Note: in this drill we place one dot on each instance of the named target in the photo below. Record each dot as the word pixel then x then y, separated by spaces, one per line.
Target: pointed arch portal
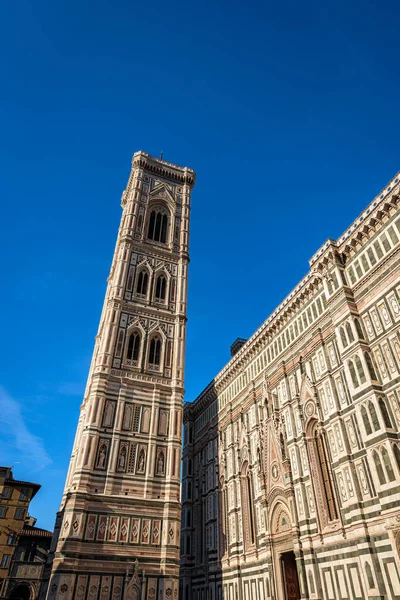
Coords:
pixel 287 579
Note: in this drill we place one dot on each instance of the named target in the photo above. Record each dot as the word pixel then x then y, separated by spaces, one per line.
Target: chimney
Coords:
pixel 237 344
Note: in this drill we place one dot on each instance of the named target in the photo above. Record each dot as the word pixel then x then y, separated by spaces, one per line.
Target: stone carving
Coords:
pixel 133 585
pixel 161 463
pixel 101 456
pixel 141 461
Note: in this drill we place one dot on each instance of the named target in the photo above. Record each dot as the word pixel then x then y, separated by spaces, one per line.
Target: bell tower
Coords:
pixel 118 529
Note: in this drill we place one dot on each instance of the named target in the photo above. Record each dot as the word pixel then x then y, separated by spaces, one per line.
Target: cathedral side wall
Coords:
pixel 294 449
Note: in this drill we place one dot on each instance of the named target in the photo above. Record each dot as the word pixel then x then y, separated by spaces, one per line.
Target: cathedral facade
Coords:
pixel 291 456
pixel 118 530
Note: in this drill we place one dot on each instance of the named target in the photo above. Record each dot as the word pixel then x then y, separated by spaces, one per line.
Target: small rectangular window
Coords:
pixel 393 235
pixel 305 322
pixel 358 268
pixel 314 309
pixel 19 513
pixel 11 539
pixel 24 494
pixel 385 242
pixel 309 315
pixel 378 249
pixel 5 561
pixel 371 256
pixel 319 306
pixel 3 511
pixel 352 276
pixel 365 263
pixel 7 492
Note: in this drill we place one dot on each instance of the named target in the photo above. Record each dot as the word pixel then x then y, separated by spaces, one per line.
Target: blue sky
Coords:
pixel 288 112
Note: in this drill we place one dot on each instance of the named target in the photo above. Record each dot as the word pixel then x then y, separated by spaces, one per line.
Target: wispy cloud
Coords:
pixel 13 426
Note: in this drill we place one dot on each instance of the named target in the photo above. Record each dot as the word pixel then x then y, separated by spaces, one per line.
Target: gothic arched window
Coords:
pixel 396 452
pixel 353 374
pixel 387 464
pixel 325 475
pixel 385 413
pixel 370 366
pixel 133 347
pixel 360 369
pixel 142 283
pixel 155 352
pixel 311 581
pixel 359 330
pixel 250 506
pixel 120 340
pixel 343 337
pixel 158 227
pixel 161 288
pixel 365 418
pixel 283 448
pixel 349 332
pixel 374 416
pixel 368 573
pixel 378 467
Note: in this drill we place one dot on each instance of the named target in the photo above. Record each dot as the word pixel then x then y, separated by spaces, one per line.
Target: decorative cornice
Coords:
pixel 370 213
pixel 163 168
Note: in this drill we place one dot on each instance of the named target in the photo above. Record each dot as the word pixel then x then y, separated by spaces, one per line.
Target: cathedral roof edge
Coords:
pixel 311 276
pixel 366 213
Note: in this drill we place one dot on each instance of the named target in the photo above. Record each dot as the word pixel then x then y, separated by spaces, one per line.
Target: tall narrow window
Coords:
pixel 385 413
pixel 349 332
pixel 161 286
pixel 365 418
pixel 353 374
pixel 396 452
pixel 133 347
pixel 360 369
pixel 370 366
pixel 343 337
pixel 374 416
pixel 224 520
pixel 152 222
pixel 327 486
pixel 378 467
pixel 359 329
pixel 387 464
pixel 155 352
pixel 370 579
pixel 120 339
pixel 250 507
pixel 142 283
pixel 158 227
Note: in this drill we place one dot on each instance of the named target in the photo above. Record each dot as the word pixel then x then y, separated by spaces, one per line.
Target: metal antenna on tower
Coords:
pixel 161 155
